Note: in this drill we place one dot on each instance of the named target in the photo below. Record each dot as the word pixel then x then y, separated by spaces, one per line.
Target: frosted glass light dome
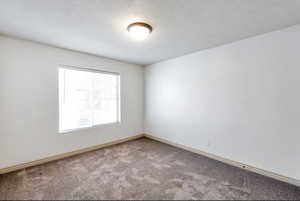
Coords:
pixel 139 30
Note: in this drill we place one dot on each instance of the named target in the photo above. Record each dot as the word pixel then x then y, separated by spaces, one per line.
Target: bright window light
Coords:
pixel 87 98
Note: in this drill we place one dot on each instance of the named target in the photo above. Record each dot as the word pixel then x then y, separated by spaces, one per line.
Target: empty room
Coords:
pixel 149 100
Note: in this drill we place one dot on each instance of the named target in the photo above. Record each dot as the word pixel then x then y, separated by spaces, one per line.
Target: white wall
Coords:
pixel 240 101
pixel 29 102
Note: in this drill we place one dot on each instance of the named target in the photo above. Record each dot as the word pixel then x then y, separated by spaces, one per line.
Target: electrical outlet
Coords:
pixel 208 143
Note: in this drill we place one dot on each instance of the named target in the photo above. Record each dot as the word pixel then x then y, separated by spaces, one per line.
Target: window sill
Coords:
pixel 88 128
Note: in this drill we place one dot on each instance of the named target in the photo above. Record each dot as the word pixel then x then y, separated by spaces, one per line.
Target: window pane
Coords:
pixel 105 98
pixel 87 98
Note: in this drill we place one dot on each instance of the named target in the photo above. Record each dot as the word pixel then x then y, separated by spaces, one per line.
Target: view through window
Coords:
pixel 87 98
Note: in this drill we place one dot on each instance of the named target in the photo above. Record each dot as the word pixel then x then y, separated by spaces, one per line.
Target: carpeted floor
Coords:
pixel 141 169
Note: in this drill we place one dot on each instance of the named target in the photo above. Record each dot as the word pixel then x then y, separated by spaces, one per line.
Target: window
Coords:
pixel 87 98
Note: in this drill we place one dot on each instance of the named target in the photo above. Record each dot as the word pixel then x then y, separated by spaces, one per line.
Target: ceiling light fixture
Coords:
pixel 139 30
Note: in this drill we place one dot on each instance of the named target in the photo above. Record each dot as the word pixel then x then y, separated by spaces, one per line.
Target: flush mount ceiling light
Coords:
pixel 139 30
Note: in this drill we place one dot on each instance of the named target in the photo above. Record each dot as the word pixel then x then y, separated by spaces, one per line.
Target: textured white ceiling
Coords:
pixel 180 26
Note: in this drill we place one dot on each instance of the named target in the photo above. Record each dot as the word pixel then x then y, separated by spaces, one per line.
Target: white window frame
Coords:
pixel 68 67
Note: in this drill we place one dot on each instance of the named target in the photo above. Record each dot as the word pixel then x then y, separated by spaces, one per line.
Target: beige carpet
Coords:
pixel 141 169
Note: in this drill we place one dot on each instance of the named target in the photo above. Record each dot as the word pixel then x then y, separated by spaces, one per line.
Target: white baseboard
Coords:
pixel 65 155
pixel 212 156
pixel 230 162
